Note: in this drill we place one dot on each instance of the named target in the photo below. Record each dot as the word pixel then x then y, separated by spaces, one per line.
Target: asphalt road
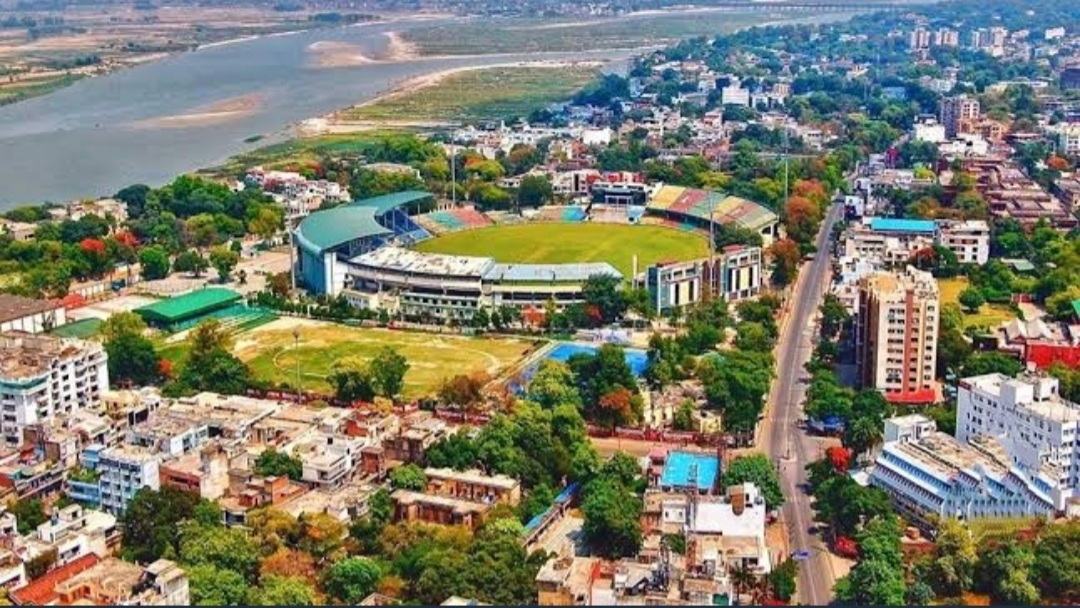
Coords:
pixel 783 440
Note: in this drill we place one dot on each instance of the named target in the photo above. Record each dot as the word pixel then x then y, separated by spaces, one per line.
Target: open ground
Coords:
pixel 271 352
pixel 556 243
pixel 989 315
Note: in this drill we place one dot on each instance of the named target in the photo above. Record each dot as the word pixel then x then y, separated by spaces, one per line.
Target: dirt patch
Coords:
pixel 215 113
pixel 328 54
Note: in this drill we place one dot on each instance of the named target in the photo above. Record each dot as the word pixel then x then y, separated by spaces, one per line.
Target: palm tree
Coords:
pixel 861 435
pixel 742 577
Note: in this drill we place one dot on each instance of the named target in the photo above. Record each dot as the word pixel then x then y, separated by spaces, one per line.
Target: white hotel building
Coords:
pixel 1038 428
pixel 929 474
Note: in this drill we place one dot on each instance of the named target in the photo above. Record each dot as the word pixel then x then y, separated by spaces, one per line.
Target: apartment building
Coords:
pixel 969 240
pixel 734 274
pixel 42 377
pixel 329 460
pixel 1037 427
pixel 894 241
pixel 124 471
pixel 929 474
pixel 473 486
pixel 953 110
pixel 91 580
pixel 896 334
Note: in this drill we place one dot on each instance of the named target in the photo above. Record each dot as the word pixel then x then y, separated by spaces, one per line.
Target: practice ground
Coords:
pixel 555 243
pixel 989 315
pixel 270 352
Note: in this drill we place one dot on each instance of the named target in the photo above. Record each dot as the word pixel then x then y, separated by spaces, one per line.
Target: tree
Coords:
pixel 154 261
pixel 759 470
pixel 535 190
pixel 132 357
pixel 1004 572
pixel 149 522
pixel 265 221
pixel 224 260
pixel 281 591
pixel 615 408
pixel 1056 570
pixel 29 514
pixel 833 315
pixel 553 384
pixel 352 580
pixel 786 256
pixel 387 371
pixel 612 519
pixel 210 366
pixel 408 477
pixel 599 374
pixel 352 380
pixel 754 337
pixel 273 530
pixel 878 578
pixel 980 364
pixel 464 390
pixel 782 580
pixel 289 563
pixel 223 548
pixel 213 586
pixel 953 570
pixel 604 293
pixel 322 536
pixel 971 299
pixel 683 420
pixel 272 463
pixel 191 261
pixel 861 434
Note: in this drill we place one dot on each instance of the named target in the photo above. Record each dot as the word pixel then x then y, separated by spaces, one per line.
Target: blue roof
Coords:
pixel 888 224
pixel 678 467
pixel 331 228
pixel 388 202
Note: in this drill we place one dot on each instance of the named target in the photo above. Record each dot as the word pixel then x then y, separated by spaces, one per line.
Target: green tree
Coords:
pixel 223 548
pixel 971 299
pixel 388 370
pixel 1056 570
pixel 352 380
pixel 612 519
pixel 281 591
pixel 224 260
pixel 953 570
pixel 272 463
pixel 683 420
pixel 759 470
pixel 980 364
pixel 210 364
pixel 154 261
pixel 781 580
pixel 600 374
pixel 191 261
pixel 753 337
pixel 352 580
pixel 132 356
pixel 553 384
pixel 535 190
pixel 29 514
pixel 150 523
pixel 878 577
pixel 1003 571
pixel 213 586
pixel 604 293
pixel 408 477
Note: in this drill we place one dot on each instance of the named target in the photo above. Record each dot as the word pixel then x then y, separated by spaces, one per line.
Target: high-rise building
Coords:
pixel 918 39
pixel 42 377
pixel 1037 427
pixel 124 470
pixel 957 109
pixel 896 334
pixel 734 274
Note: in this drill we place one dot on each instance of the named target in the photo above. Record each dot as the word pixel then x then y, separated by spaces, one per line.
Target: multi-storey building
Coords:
pixel 734 274
pixel 956 109
pixel 969 240
pixel 124 471
pixel 896 334
pixel 474 486
pixel 931 475
pixel 42 377
pixel 1037 427
pixel 894 241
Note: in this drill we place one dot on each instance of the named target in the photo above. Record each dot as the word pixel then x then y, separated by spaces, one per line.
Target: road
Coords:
pixel 787 444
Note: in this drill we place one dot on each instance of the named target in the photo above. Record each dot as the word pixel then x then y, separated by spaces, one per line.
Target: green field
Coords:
pixel 487 94
pixel 988 317
pixel 271 353
pixel 554 243
pixel 301 152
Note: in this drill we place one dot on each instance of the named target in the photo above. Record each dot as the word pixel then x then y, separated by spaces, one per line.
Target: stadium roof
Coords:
pixel 188 305
pixel 888 224
pixel 324 230
pixel 387 202
pixel 698 204
pixel 399 259
pixel 542 273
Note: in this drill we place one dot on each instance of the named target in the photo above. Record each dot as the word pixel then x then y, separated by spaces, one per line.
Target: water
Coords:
pixel 92 138
pixel 637 360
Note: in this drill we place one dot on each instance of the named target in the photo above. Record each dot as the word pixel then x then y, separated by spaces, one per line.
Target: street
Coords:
pixel 783 441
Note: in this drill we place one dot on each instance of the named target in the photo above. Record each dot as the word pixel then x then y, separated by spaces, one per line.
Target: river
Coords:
pixel 104 133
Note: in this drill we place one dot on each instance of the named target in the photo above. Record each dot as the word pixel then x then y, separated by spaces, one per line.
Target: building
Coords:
pixel 95 581
pixel 933 132
pixel 124 471
pixel 734 274
pixel 953 110
pixel 1036 426
pixel 734 95
pixel 1070 78
pixel 1068 139
pixel 969 240
pixel 42 377
pixel 473 486
pixel 896 334
pixel 416 506
pixel 30 315
pixel 680 207
pixel 929 474
pixel 329 460
pixel 181 312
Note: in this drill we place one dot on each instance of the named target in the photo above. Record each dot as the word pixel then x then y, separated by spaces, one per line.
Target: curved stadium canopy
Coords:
pixel 326 230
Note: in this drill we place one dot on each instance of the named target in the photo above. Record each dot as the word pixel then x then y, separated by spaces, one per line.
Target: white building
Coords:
pixel 30 315
pixel 42 377
pixel 1068 139
pixel 730 532
pixel 933 132
pixel 1037 427
pixel 969 240
pixel 734 95
pixel 124 471
pixel 929 474
pixel 73 532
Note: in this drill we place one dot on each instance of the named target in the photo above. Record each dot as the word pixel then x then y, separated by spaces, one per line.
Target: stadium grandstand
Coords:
pixel 183 312
pixel 325 239
pixel 692 207
pixel 439 286
pixel 453 220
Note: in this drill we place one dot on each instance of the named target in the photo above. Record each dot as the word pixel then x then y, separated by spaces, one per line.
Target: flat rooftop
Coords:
pixel 473 477
pixel 541 273
pixel 403 260
pixel 689 469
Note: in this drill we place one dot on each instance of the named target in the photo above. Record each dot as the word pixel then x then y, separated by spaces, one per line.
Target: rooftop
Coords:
pixel 885 224
pixel 686 469
pixel 17 307
pixel 542 273
pixel 325 230
pixel 42 592
pixel 189 305
pixel 473 477
pixel 458 506
pixel 26 355
pixel 389 202
pixel 433 264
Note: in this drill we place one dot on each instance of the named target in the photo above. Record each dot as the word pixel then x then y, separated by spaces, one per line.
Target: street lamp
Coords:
pixel 296 349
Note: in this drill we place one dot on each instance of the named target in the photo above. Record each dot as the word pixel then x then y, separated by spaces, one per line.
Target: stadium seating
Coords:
pixel 453 220
pixel 404 227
